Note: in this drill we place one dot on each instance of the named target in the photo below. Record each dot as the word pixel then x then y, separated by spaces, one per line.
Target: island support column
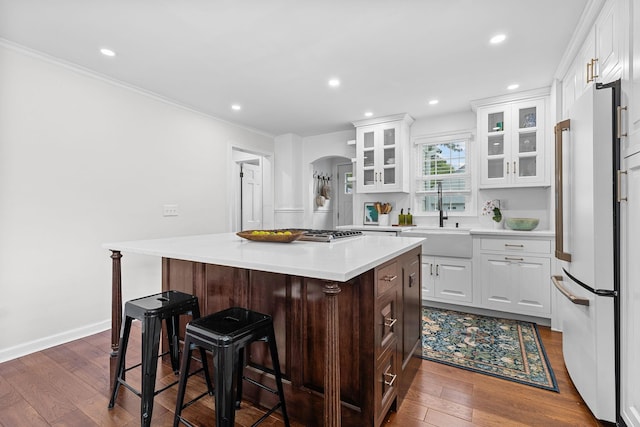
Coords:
pixel 332 357
pixel 116 301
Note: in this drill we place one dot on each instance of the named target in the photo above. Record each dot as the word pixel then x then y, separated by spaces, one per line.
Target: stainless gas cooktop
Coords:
pixel 328 235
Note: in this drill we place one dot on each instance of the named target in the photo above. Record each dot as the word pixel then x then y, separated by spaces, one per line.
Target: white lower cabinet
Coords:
pixel 515 274
pixel 518 284
pixel 447 279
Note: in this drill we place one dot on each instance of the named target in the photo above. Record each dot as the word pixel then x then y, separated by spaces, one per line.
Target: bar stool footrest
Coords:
pixel 265 416
pixel 262 386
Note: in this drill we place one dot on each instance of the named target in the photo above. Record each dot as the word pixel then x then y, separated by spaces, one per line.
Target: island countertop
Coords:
pixel 340 261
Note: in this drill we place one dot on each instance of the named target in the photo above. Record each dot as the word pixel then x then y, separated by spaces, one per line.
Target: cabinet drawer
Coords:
pixel 387 312
pixel 386 386
pixel 387 277
pixel 516 245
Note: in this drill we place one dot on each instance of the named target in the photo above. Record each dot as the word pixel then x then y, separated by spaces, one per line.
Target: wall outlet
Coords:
pixel 170 210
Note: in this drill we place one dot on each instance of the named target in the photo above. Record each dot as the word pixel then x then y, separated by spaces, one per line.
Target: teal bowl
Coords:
pixel 522 224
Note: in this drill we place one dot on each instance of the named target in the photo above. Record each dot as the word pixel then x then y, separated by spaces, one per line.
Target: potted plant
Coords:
pixel 492 207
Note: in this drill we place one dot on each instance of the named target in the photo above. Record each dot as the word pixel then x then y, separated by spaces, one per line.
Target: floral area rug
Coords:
pixel 503 348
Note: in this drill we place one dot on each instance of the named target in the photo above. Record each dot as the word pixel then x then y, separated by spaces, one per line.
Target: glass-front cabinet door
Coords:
pixel 526 152
pixel 378 158
pixel 494 128
pixel 511 137
pixel 389 145
pixel 368 160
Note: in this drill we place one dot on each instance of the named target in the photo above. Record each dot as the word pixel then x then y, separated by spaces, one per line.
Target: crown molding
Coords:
pixel 515 96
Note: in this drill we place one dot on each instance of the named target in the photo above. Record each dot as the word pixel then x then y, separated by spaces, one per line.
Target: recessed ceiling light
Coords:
pixel 107 52
pixel 433 102
pixel 334 82
pixel 498 38
pixel 513 86
pixel 368 114
pixel 236 107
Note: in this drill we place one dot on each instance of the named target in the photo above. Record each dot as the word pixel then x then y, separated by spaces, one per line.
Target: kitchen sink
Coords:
pixel 452 242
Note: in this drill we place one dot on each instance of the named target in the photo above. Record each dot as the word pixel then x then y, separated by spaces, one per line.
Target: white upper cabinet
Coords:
pixel 382 154
pixel 513 144
pixel 600 59
pixel 608 43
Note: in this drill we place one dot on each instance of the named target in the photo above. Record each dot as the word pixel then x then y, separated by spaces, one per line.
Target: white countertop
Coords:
pixel 339 261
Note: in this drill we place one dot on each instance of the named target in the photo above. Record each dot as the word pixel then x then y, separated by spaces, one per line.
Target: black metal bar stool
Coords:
pixel 151 310
pixel 226 334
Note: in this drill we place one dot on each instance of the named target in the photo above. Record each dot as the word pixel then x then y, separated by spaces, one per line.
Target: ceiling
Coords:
pixel 275 57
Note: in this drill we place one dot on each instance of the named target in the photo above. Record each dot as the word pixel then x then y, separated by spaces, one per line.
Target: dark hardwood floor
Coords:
pixel 68 385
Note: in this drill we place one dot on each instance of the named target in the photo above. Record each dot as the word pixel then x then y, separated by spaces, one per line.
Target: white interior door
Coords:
pixel 251 209
pixel 344 194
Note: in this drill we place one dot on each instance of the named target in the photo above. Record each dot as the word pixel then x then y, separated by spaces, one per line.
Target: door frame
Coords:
pixel 237 156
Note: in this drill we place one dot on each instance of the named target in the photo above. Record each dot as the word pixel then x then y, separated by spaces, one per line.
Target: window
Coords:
pixel 348 183
pixel 443 160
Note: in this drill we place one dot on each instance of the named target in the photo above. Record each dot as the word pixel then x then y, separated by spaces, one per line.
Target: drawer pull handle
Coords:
pixel 389 322
pixel 513 259
pixel 512 245
pixel 393 379
pixel 389 278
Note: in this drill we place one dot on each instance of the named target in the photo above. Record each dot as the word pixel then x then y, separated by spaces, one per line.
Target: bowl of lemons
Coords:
pixel 279 236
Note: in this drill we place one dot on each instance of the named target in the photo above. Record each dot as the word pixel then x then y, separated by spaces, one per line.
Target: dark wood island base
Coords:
pixel 372 322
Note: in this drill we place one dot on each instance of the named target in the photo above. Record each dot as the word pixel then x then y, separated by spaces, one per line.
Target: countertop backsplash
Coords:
pixel 514 203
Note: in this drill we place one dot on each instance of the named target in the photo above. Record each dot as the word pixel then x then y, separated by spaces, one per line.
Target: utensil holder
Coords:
pixel 383 219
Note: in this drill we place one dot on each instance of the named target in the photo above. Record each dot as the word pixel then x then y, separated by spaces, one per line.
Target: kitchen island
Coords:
pixel 346 314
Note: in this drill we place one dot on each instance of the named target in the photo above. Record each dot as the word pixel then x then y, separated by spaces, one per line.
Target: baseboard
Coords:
pixel 52 341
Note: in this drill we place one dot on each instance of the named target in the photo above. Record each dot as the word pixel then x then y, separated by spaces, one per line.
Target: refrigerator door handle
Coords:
pixel 560 253
pixel 557 281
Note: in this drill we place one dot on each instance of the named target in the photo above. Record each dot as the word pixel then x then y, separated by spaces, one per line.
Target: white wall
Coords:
pixel 289 210
pixel 85 161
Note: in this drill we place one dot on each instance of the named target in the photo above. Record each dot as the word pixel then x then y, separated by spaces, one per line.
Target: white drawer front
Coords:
pixel 516 245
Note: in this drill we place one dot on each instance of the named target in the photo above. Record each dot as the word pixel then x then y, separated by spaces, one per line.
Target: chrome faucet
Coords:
pixel 443 216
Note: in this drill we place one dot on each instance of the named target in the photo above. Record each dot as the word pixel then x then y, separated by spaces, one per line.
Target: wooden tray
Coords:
pixel 279 238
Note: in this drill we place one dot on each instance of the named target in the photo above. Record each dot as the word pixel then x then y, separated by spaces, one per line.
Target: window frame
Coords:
pixel 465 136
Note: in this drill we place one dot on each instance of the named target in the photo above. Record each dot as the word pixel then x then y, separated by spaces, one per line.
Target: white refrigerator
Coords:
pixel 588 245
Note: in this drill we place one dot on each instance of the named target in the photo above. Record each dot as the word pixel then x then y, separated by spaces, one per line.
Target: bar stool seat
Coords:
pixel 151 310
pixel 226 334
